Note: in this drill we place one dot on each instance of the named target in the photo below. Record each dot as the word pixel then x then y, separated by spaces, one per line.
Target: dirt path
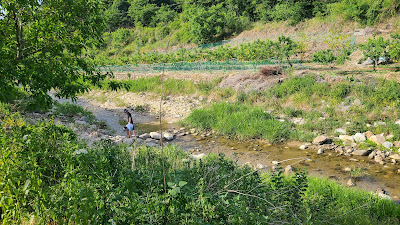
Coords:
pixel 109 113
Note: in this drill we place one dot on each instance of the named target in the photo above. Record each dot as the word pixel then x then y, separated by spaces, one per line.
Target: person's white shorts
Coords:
pixel 129 126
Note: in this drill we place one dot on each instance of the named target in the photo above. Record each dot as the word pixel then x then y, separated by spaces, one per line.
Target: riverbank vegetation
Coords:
pixel 49 176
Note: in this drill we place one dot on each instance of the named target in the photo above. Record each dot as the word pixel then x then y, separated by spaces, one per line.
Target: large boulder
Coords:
pixel 144 136
pixel 378 139
pixel 361 152
pixel 340 131
pixel 322 139
pixel 346 138
pixel 395 156
pixel 155 135
pixel 168 136
pixel 368 134
pixel 359 137
pixel 387 144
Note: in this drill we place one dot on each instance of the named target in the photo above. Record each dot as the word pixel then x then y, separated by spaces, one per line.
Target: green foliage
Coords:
pixel 374 48
pixel 241 121
pixel 153 84
pixel 42 47
pixel 47 174
pixel 325 57
pixel 366 12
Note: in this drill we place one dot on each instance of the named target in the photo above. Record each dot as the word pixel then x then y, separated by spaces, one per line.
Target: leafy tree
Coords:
pixel 325 57
pixel 286 48
pixel 42 45
pixel 374 48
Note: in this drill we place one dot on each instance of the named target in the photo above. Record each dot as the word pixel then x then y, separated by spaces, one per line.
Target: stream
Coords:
pixel 369 175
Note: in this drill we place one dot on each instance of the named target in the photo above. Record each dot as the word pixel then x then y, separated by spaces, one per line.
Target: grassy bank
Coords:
pixel 323 103
pixel 48 176
pixel 171 86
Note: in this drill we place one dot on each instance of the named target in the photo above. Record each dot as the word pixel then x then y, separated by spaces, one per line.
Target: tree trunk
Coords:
pixel 18 34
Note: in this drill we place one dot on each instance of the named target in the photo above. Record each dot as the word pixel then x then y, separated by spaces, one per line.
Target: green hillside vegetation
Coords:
pixel 137 26
pixel 48 176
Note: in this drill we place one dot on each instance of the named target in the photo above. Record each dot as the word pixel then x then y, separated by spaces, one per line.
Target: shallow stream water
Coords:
pixel 369 175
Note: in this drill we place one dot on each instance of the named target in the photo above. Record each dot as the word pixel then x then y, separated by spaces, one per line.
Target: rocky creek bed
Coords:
pixel 373 170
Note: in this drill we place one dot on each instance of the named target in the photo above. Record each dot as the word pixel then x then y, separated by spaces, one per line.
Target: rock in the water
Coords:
pixel 387 144
pixel 322 139
pixel 378 139
pixel 341 131
pixel 199 156
pixel 361 152
pixel 350 183
pixel 168 136
pixel 288 170
pixel 359 137
pixel 155 135
pixel 320 151
pixel 372 155
pixel 303 147
pixel 395 156
pixel 144 136
pixel 346 138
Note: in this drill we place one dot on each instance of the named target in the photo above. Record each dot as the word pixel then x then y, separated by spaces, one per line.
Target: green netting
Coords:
pixel 200 66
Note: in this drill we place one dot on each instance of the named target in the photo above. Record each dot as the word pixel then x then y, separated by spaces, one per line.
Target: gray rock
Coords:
pixel 288 170
pixel 151 144
pixel 379 123
pixel 340 131
pixel 320 151
pixel 144 136
pixel 395 156
pixel 397 122
pixel 346 138
pixel 322 139
pixel 86 119
pixel 359 137
pixel 199 156
pixel 128 141
pixel 260 166
pixel 168 136
pixel 387 144
pixel 155 135
pixel 382 193
pixel 80 122
pixel 361 152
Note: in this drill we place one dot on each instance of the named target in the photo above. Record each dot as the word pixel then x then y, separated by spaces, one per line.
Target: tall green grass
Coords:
pixel 153 84
pixel 242 121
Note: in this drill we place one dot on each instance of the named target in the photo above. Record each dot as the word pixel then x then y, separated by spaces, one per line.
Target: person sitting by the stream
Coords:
pixel 129 127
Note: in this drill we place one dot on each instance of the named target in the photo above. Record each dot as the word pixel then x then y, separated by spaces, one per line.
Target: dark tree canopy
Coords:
pixel 42 45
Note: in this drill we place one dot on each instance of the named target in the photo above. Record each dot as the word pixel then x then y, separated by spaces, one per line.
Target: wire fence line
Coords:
pixel 199 66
